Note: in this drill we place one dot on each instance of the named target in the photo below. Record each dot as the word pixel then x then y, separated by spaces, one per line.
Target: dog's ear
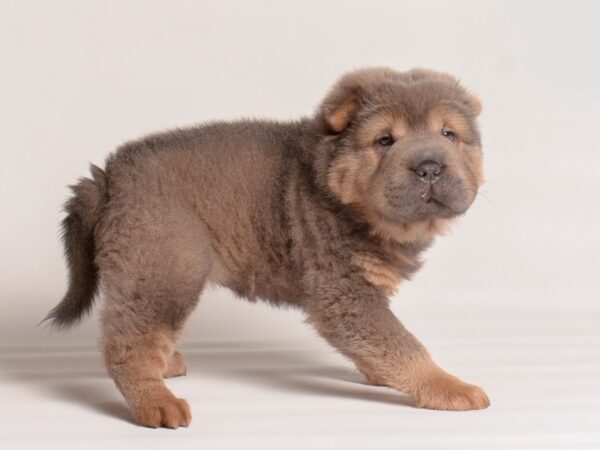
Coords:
pixel 339 116
pixel 474 103
pixel 340 106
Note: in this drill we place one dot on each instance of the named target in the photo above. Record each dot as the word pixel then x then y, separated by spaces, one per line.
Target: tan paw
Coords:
pixel 446 392
pixel 176 366
pixel 169 412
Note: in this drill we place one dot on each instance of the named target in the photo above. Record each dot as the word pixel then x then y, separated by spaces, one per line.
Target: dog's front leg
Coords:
pixel 360 325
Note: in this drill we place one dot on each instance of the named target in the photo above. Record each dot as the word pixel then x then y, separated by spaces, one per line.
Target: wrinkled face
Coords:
pixel 407 148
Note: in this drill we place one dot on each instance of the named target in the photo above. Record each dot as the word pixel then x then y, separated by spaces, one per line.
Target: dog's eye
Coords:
pixel 385 140
pixel 449 134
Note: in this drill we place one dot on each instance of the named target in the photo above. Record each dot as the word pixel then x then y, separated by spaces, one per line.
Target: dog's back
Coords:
pixel 230 177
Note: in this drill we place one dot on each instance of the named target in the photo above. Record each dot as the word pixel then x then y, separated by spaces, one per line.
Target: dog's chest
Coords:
pixel 386 272
pixel 378 271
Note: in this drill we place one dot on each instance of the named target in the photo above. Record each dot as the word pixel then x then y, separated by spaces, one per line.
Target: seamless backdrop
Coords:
pixel 79 78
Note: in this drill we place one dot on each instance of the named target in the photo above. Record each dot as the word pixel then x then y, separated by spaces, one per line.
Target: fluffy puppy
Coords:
pixel 327 213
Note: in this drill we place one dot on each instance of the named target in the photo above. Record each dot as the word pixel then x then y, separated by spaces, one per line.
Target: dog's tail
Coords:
pixel 83 210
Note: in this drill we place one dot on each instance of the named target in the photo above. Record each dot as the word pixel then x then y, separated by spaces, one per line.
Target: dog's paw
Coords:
pixel 168 412
pixel 446 392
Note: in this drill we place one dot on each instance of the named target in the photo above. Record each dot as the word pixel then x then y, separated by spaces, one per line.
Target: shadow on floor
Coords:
pixel 77 376
pixel 290 371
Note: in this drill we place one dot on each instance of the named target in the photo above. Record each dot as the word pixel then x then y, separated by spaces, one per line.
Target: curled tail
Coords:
pixel 83 210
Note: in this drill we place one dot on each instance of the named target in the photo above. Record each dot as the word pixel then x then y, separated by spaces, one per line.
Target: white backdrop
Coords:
pixel 79 78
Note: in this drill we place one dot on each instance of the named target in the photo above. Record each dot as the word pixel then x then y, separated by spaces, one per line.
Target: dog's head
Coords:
pixel 401 148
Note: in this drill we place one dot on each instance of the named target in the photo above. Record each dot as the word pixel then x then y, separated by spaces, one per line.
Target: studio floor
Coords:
pixel 541 371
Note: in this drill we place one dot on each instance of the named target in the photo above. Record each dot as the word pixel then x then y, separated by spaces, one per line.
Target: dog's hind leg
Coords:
pixel 153 266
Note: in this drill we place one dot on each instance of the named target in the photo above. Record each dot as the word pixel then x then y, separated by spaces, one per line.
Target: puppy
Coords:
pixel 327 213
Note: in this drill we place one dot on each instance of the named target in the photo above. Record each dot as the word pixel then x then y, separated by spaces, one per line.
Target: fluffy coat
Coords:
pixel 328 214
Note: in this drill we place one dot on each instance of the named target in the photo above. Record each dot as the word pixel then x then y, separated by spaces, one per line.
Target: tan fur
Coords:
pixel 441 390
pixel 435 389
pixel 442 116
pixel 383 121
pixel 138 367
pixel 411 233
pixel 339 118
pixel 343 180
pixel 378 272
pixel 349 176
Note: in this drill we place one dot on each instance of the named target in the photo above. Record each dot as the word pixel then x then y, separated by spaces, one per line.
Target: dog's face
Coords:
pixel 403 147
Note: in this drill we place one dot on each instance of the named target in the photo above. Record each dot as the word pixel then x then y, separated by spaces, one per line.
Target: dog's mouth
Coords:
pixel 429 196
pixel 426 203
pixel 435 202
pixel 435 207
pixel 429 208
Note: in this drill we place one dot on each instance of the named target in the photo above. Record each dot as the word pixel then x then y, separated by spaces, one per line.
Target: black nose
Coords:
pixel 429 171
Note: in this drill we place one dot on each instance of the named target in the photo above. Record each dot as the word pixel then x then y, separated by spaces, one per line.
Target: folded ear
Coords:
pixel 474 103
pixel 340 106
pixel 341 115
